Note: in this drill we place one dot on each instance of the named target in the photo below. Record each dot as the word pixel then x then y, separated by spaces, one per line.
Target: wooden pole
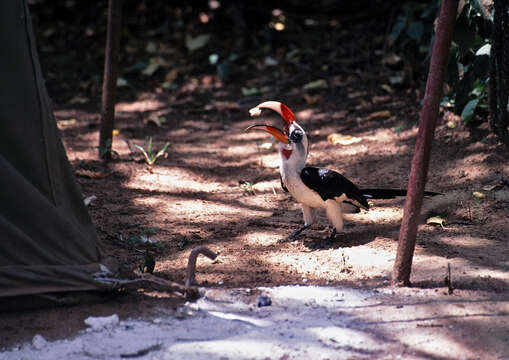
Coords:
pixel 420 162
pixel 110 78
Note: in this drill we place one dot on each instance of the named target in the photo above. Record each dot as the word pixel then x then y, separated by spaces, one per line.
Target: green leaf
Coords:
pixel 464 34
pixel 151 230
pixel 463 91
pixel 121 82
pixel 482 8
pixel 224 69
pixel 145 155
pixel 482 66
pixel 196 43
pixel 213 59
pixel 317 84
pixel 134 239
pixel 468 110
pixel 415 30
pixel 484 50
pixel 149 146
pixel 160 153
pixel 430 11
pixel 398 28
pixel 452 68
pixel 250 91
pixel 479 87
pixel 138 66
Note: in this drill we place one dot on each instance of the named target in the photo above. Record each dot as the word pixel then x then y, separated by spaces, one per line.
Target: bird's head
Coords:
pixel 292 140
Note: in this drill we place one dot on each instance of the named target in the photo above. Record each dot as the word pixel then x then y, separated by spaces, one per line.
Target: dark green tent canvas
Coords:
pixel 47 240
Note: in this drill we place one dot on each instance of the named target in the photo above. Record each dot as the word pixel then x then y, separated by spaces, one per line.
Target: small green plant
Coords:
pixel 247 187
pixel 150 155
pixel 108 150
pixel 144 237
pixel 345 267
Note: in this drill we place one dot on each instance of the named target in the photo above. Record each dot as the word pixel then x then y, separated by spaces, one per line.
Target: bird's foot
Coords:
pixel 331 237
pixel 325 243
pixel 294 235
pixel 286 239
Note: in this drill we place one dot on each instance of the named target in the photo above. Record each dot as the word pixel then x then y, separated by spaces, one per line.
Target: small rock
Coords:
pixel 264 301
pixel 397 80
pixel 183 313
pixel 101 322
pixel 38 342
pixel 312 304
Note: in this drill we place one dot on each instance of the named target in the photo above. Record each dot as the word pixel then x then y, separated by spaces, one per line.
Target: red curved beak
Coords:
pixel 284 111
pixel 274 131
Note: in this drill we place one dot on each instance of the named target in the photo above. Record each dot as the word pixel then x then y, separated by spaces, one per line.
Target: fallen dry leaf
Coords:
pixel 91 174
pixel 171 76
pixel 313 99
pixel 266 146
pixel 387 88
pixel 436 220
pixel 392 60
pixel 356 94
pixel 88 200
pixel 479 194
pixel 493 187
pixel 222 106
pixel 317 84
pixel 379 114
pixel 78 100
pixel 451 124
pixel 155 120
pixel 62 123
pixel 342 139
pixel 379 99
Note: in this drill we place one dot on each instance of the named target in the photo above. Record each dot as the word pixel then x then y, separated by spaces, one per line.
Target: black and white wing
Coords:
pixel 330 184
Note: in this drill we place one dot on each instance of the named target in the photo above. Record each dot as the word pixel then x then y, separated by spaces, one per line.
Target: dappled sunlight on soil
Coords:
pixel 171 180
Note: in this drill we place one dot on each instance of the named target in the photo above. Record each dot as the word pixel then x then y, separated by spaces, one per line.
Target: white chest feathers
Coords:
pixel 300 191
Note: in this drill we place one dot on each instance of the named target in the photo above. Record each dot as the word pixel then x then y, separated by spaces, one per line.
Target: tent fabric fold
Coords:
pixel 48 243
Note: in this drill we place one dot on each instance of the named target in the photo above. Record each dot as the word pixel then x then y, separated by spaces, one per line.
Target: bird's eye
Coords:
pixel 296 135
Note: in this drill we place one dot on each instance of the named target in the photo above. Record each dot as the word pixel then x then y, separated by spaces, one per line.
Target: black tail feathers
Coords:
pixel 390 193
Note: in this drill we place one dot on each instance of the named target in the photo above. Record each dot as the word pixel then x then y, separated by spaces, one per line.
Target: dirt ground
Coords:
pixel 219 186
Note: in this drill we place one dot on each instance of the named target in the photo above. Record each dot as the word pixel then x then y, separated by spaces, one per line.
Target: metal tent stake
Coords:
pixel 110 78
pixel 420 162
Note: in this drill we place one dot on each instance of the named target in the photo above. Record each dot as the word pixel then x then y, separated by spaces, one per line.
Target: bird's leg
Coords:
pixel 324 243
pixel 332 236
pixel 294 234
pixel 309 219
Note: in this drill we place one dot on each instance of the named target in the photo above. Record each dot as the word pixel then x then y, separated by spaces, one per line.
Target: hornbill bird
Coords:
pixel 314 187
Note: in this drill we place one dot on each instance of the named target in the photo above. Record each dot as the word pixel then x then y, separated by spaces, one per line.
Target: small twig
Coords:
pixel 448 279
pixel 470 213
pixel 142 352
pixel 191 264
pixel 110 79
pixel 149 281
pixel 260 158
